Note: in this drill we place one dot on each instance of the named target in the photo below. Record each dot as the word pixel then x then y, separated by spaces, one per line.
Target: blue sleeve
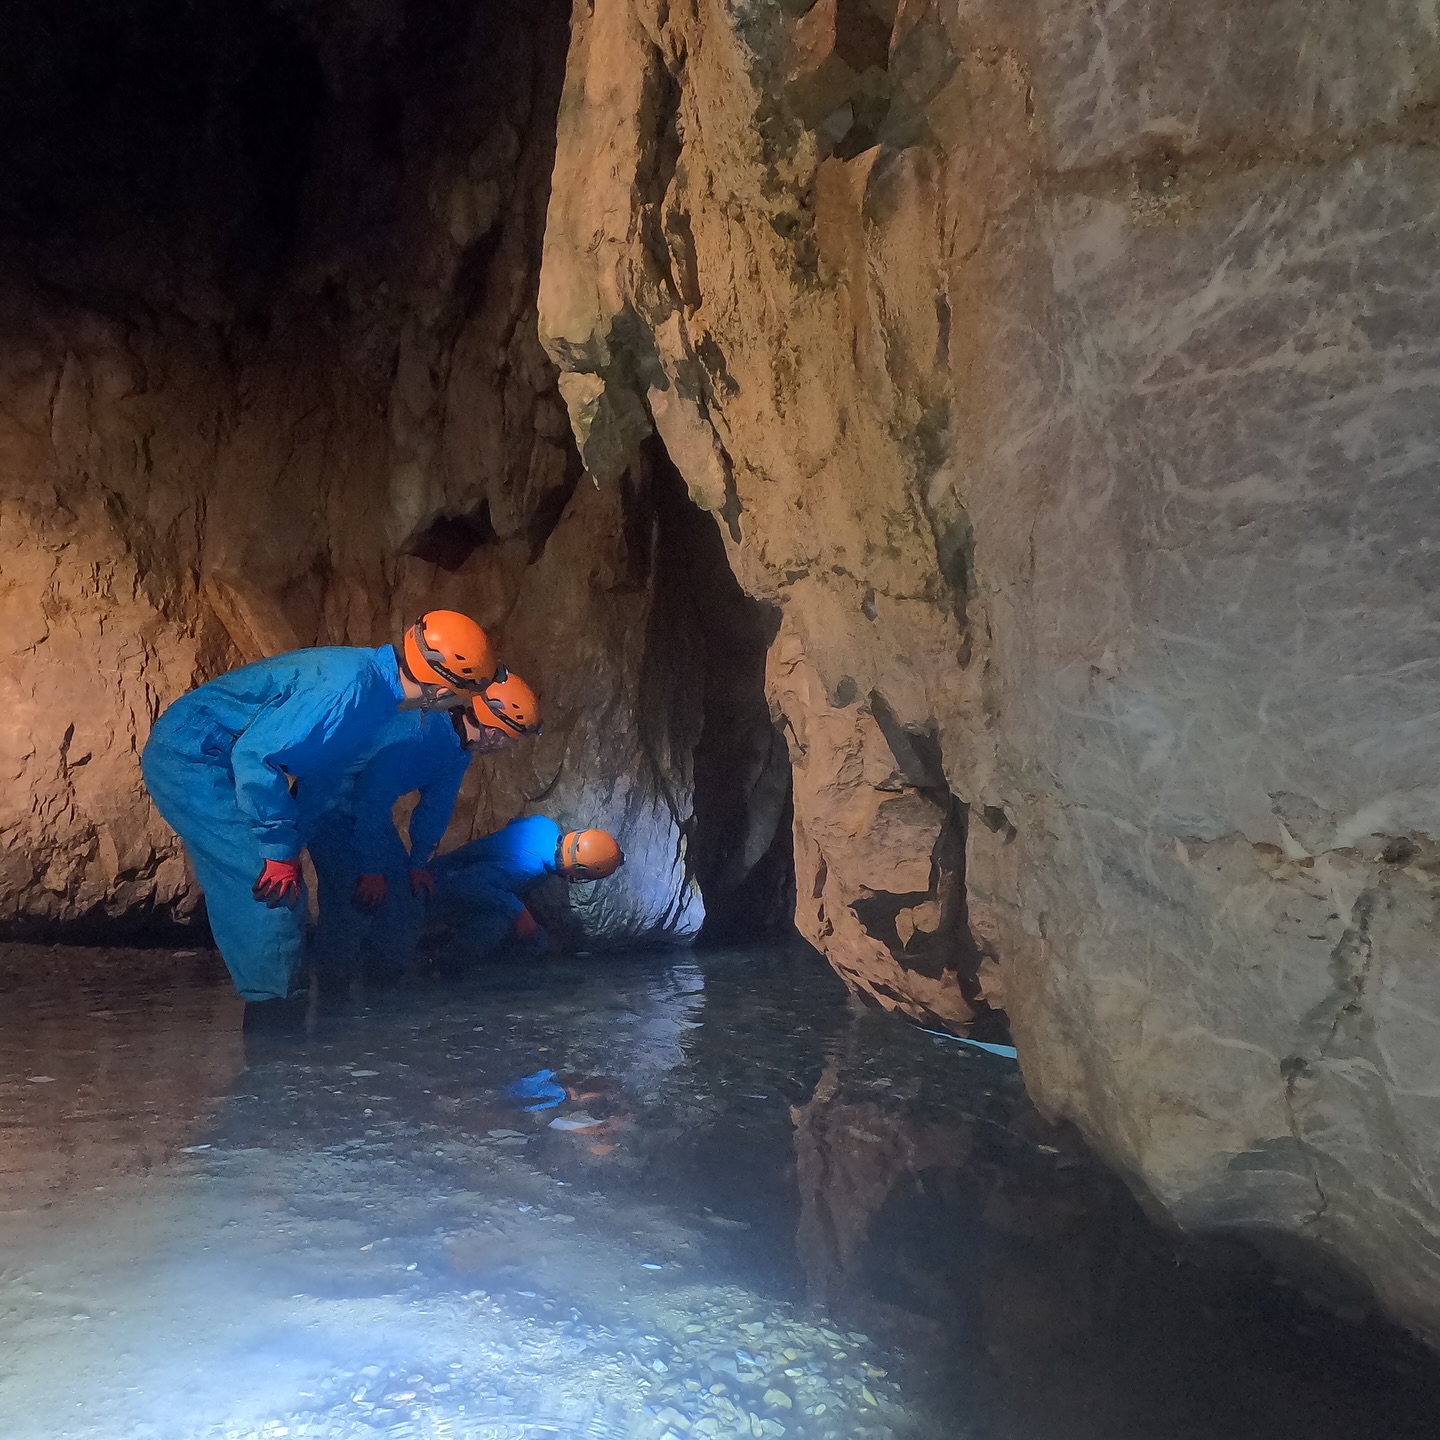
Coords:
pixel 431 817
pixel 495 897
pixel 377 787
pixel 288 734
pixel 546 835
pixel 481 887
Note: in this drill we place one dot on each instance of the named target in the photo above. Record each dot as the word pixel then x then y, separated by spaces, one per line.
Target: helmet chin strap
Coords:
pixel 431 697
pixel 434 697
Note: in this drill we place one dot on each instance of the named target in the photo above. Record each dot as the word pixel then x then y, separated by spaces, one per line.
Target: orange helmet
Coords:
pixel 590 855
pixel 508 705
pixel 447 648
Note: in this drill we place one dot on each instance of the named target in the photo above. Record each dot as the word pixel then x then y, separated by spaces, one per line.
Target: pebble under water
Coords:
pixel 747 1209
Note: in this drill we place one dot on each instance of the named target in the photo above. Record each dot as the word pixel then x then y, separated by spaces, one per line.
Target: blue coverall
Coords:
pixel 356 836
pixel 218 765
pixel 477 884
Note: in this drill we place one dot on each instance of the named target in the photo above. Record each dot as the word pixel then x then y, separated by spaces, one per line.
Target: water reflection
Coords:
pixel 1026 1287
pixel 733 1204
pixel 110 1063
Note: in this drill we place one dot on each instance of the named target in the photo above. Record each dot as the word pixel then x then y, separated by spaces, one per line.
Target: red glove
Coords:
pixel 524 926
pixel 279 884
pixel 370 892
pixel 422 882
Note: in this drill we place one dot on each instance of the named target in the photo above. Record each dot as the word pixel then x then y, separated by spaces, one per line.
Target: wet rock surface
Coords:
pixel 765 1214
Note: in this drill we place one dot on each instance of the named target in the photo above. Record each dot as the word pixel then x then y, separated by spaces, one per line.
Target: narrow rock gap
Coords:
pixel 710 639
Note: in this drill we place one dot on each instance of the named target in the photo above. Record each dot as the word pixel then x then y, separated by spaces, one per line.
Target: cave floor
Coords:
pixel 764 1213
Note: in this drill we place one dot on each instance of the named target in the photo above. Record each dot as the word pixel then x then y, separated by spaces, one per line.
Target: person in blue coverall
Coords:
pixel 371 888
pixel 480 884
pixel 221 759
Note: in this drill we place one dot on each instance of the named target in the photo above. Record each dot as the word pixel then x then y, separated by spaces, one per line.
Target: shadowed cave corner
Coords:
pixel 704 668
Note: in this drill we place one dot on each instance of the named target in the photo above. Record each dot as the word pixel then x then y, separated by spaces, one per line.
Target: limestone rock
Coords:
pixel 835 43
pixel 773 395
pixel 1072 387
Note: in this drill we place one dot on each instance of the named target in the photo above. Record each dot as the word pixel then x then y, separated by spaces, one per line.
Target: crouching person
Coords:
pixel 372 889
pixel 479 887
pixel 221 761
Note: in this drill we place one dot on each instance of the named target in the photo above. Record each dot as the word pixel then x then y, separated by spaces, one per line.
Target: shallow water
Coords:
pixel 764 1213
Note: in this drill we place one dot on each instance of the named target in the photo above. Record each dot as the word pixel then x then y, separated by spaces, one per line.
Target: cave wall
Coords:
pixel 1065 378
pixel 651 662
pixel 270 376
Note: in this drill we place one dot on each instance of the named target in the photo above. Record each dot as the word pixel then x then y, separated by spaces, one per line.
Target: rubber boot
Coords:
pixel 332 991
pixel 380 976
pixel 275 1020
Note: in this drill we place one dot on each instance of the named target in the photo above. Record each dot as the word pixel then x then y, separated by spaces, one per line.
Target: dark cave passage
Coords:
pixel 708 642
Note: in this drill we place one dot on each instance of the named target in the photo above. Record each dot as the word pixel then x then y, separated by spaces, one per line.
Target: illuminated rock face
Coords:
pixel 1067 384
pixel 202 466
pixel 240 418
